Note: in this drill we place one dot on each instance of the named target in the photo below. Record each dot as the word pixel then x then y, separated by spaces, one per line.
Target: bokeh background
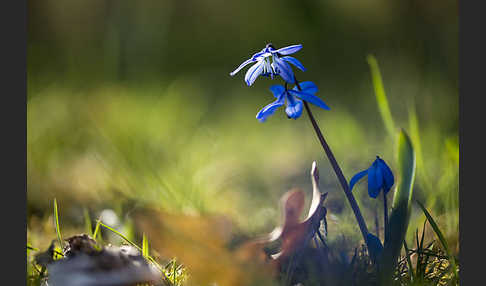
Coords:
pixel 130 105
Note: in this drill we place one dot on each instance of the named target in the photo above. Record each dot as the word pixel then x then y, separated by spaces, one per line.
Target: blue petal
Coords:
pixel 294 107
pixel 356 178
pixel 375 247
pixel 241 66
pixel 307 87
pixel 295 62
pixel 388 178
pixel 270 109
pixel 257 55
pixel 277 90
pixel 283 69
pixel 269 48
pixel 375 180
pixel 310 98
pixel 254 72
pixel 289 50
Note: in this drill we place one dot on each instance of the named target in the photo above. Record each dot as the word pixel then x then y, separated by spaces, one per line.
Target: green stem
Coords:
pixel 385 215
pixel 338 171
pixel 377 224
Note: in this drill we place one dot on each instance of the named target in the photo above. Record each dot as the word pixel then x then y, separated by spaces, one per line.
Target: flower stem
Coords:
pixel 385 215
pixel 377 224
pixel 337 169
pixel 339 174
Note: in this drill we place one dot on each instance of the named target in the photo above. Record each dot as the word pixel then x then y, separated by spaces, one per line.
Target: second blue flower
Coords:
pixel 292 99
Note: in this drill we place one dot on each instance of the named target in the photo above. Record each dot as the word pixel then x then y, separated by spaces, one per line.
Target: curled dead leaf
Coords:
pixel 201 242
pixel 296 234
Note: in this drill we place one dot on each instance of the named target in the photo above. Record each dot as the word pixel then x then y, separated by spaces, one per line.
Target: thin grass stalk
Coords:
pixel 56 224
pixel 150 258
pixel 409 261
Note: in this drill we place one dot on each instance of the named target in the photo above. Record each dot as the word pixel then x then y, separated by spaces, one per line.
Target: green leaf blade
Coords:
pixel 441 237
pixel 56 223
pixel 401 208
pixel 409 260
pixel 145 247
pixel 435 227
pixel 380 94
pixel 97 229
pixel 120 235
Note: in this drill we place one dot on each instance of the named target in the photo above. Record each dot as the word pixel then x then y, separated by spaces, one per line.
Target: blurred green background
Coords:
pixel 130 104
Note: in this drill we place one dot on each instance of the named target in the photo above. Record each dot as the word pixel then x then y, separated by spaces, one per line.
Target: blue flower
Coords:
pixel 380 177
pixel 292 99
pixel 278 66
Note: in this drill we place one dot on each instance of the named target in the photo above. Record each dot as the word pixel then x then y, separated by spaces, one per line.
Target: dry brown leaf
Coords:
pixel 200 243
pixel 295 234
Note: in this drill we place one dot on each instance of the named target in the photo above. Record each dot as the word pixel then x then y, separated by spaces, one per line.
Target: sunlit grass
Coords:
pixel 167 147
pixel 36 273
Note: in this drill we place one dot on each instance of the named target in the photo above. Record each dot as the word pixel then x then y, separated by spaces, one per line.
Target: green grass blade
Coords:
pixel 401 208
pixel 417 238
pixel 87 222
pixel 151 259
pixel 120 235
pixel 380 94
pixel 424 178
pixel 56 223
pixel 409 261
pixel 435 227
pixel 145 247
pixel 415 136
pixel 418 264
pixel 443 241
pixel 423 236
pixel 174 271
pixel 97 229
